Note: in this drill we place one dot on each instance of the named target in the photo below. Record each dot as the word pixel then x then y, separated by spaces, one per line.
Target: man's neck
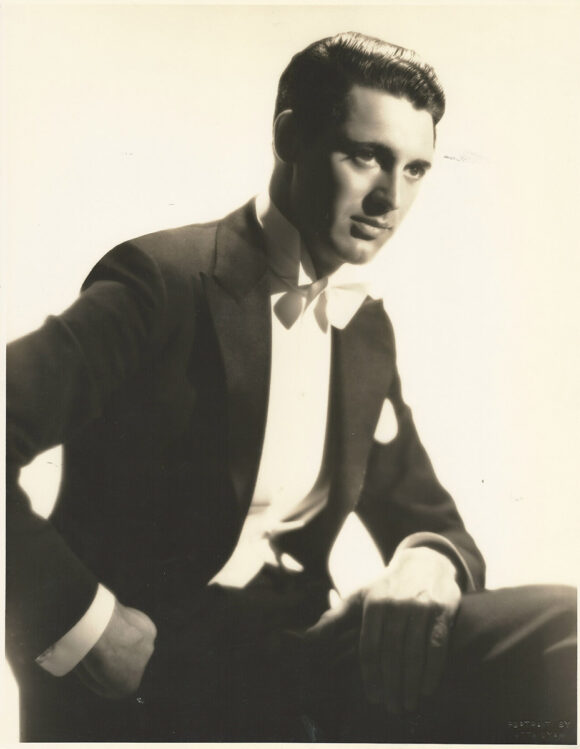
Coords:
pixel 280 195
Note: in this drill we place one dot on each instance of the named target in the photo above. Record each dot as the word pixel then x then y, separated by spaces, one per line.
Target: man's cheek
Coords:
pixel 350 196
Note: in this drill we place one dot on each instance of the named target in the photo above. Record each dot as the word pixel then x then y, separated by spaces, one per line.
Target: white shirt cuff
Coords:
pixel 72 647
pixel 434 540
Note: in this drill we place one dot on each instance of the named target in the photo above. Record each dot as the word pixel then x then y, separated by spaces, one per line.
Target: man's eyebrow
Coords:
pixel 421 162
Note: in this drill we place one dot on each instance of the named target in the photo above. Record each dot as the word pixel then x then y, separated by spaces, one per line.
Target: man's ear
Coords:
pixel 286 137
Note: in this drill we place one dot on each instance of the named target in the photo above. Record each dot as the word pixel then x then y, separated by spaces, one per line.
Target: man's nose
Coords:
pixel 385 195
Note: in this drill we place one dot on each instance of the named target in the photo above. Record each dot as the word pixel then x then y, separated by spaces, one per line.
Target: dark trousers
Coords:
pixel 232 665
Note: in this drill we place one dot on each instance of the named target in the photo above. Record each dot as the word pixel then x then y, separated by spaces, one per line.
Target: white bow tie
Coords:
pixel 334 304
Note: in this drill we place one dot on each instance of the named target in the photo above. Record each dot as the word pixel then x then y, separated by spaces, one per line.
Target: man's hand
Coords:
pixel 407 618
pixel 407 614
pixel 115 665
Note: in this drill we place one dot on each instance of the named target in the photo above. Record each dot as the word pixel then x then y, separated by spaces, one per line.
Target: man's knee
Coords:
pixel 555 612
pixel 563 599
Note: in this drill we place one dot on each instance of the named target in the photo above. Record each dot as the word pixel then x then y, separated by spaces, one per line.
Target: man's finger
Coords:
pixel 394 626
pixel 345 640
pixel 437 647
pixel 326 624
pixel 87 678
pixel 414 655
pixel 140 619
pixel 371 635
pixel 346 648
pixel 335 621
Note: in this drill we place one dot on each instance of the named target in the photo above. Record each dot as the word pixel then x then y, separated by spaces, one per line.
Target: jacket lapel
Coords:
pixel 238 299
pixel 363 365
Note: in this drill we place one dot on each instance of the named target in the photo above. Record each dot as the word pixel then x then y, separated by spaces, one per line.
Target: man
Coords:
pixel 227 394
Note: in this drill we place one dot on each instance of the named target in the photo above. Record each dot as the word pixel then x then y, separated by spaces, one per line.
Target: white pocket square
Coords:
pixel 387 426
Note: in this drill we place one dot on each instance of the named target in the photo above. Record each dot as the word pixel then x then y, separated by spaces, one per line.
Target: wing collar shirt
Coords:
pixel 293 479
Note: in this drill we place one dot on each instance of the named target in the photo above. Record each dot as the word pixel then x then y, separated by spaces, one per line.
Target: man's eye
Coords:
pixel 416 171
pixel 364 157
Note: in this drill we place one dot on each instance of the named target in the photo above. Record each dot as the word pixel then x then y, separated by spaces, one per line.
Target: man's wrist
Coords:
pixel 61 657
pixel 435 558
pixel 442 545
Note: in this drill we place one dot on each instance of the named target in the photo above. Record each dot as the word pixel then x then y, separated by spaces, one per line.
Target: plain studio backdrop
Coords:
pixel 121 120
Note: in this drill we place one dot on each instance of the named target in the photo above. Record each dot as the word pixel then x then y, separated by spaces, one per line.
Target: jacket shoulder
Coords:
pixel 184 250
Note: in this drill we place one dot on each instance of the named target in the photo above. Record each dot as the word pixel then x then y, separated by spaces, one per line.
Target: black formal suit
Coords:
pixel 156 380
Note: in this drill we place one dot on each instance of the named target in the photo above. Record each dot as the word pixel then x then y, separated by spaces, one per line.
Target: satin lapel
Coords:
pixel 239 303
pixel 363 365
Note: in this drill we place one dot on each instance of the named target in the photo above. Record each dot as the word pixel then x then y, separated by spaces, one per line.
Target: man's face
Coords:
pixel 353 186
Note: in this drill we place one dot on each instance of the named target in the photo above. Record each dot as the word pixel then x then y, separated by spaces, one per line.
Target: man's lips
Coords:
pixel 369 227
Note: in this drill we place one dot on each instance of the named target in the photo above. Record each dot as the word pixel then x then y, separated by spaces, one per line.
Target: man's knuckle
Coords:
pixel 118 692
pixel 131 685
pixel 438 608
pixel 152 629
pixel 419 604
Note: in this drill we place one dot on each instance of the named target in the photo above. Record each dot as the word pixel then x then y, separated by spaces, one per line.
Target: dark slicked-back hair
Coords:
pixel 317 80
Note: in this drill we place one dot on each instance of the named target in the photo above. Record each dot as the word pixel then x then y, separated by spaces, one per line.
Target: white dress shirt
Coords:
pixel 293 480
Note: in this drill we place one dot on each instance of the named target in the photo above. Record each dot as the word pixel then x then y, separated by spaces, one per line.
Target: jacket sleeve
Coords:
pixel 58 379
pixel 403 503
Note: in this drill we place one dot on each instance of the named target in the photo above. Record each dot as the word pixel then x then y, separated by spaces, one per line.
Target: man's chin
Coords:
pixel 330 255
pixel 362 251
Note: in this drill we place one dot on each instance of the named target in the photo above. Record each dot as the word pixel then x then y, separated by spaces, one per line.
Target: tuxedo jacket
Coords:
pixel 156 381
